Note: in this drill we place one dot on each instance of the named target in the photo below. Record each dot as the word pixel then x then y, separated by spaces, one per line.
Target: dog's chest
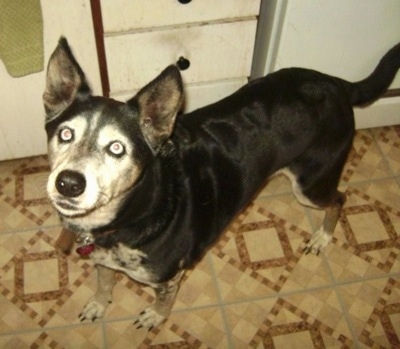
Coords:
pixel 127 260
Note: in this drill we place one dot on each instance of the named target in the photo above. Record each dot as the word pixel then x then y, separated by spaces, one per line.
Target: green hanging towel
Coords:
pixel 21 36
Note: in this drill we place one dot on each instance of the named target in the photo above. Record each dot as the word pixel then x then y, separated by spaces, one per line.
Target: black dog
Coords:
pixel 148 192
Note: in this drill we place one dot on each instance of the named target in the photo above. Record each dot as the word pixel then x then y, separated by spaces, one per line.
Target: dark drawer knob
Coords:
pixel 183 63
pixel 184 1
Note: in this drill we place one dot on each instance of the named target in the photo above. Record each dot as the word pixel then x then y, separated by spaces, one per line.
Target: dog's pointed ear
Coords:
pixel 65 80
pixel 158 104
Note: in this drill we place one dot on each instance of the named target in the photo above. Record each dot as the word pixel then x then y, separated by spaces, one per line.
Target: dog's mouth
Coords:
pixel 76 207
pixel 69 207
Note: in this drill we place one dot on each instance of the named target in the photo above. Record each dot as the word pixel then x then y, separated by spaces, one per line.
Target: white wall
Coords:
pixel 21 111
pixel 345 38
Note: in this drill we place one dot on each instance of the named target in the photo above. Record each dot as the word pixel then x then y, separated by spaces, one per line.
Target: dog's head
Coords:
pixel 98 146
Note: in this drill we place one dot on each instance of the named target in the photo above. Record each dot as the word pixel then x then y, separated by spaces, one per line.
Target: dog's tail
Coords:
pixel 371 88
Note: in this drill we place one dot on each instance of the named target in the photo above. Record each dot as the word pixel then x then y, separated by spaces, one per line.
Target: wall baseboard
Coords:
pixel 384 112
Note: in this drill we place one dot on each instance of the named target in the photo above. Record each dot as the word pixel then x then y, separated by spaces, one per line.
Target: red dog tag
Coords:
pixel 85 250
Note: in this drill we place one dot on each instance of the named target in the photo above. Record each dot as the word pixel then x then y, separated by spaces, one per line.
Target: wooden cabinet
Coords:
pixel 215 37
pixel 125 15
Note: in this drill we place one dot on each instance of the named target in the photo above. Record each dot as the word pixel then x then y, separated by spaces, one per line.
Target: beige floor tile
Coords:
pixel 262 252
pixel 88 336
pixel 38 281
pixel 365 161
pixel 285 209
pixel 388 139
pixel 199 328
pixel 23 198
pixel 275 186
pixel 305 320
pixel 373 308
pixel 366 239
pixel 198 287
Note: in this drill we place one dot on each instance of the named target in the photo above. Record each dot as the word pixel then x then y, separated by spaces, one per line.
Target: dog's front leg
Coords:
pixel 97 305
pixel 323 236
pixel 160 310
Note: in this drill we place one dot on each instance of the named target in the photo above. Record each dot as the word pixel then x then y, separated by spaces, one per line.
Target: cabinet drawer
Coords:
pixel 198 95
pixel 215 52
pixel 123 15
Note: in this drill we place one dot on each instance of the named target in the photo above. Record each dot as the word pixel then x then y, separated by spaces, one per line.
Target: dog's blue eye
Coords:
pixel 66 135
pixel 116 148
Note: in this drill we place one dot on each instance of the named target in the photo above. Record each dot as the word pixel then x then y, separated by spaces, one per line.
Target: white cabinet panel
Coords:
pixel 21 109
pixel 342 38
pixel 199 95
pixel 123 15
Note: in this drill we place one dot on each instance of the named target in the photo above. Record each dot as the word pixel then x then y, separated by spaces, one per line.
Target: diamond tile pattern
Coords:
pixel 254 289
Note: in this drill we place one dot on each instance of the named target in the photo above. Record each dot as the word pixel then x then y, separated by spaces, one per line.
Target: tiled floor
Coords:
pixel 255 288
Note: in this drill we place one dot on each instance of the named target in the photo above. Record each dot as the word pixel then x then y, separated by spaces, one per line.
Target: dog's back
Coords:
pixel 298 120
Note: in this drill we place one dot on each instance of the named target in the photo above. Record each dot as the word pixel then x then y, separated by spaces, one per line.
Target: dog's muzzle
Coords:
pixel 70 183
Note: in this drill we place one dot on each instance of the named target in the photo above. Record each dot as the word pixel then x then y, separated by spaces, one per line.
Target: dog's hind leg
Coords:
pixel 319 190
pixel 97 305
pixel 160 310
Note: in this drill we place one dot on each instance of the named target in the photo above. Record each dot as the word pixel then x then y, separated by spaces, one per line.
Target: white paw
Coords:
pixel 318 241
pixel 149 318
pixel 93 310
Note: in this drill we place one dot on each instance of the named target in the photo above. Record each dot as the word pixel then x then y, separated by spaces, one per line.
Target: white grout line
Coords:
pixel 220 300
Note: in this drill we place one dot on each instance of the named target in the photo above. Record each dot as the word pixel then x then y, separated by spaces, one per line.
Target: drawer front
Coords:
pixel 123 15
pixel 215 52
pixel 199 95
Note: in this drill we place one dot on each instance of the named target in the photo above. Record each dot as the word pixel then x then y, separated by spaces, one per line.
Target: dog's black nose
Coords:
pixel 70 183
